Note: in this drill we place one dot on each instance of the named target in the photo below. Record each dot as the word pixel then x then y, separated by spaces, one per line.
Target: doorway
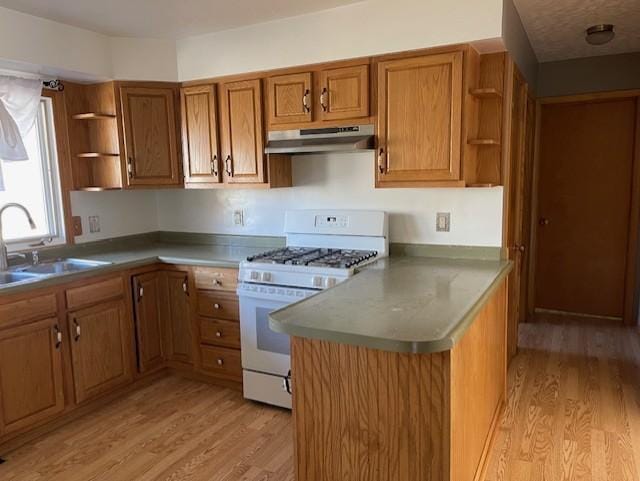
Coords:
pixel 586 207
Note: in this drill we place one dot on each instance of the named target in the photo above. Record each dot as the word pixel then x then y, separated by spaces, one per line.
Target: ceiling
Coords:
pixel 556 27
pixel 172 19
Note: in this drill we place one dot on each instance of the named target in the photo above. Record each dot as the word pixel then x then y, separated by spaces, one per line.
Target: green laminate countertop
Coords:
pixel 400 304
pixel 126 257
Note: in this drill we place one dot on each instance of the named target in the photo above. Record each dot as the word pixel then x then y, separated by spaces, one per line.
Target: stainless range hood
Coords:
pixel 332 139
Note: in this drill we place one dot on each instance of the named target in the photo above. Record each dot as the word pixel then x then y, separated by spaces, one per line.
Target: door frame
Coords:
pixel 630 308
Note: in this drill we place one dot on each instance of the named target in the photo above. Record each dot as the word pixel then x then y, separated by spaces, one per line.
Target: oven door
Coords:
pixel 264 350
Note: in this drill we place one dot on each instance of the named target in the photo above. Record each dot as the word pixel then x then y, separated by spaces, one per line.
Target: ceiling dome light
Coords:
pixel 600 34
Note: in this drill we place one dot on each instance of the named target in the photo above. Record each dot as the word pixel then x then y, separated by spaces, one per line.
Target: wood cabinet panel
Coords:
pixel 95 292
pixel 218 305
pixel 200 150
pixel 222 362
pixel 100 349
pixel 25 310
pixel 31 387
pixel 149 119
pixel 242 132
pixel 223 279
pixel 344 93
pixel 419 118
pixel 149 294
pixel 220 333
pixel 179 337
pixel 290 98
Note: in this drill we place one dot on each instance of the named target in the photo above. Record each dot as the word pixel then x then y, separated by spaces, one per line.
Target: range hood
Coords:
pixel 332 139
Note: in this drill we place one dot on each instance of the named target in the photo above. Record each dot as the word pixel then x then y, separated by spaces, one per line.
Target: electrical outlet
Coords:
pixel 94 224
pixel 238 217
pixel 443 221
pixel 77 225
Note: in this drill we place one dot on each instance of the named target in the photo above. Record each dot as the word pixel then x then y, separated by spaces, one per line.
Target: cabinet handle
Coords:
pixel 305 106
pixel 218 333
pixel 130 167
pixel 227 166
pixel 214 165
pixel 140 292
pixel 381 164
pixel 77 327
pixel 220 361
pixel 185 285
pixel 216 306
pixel 322 97
pixel 58 334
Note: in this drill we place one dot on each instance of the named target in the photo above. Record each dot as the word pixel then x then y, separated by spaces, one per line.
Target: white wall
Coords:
pixel 339 181
pixel 121 213
pixel 143 59
pixel 369 27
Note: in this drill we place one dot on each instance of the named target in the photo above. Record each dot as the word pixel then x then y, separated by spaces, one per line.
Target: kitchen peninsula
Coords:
pixel 407 385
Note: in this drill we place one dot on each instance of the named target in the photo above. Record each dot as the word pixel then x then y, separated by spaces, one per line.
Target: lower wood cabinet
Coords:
pixel 31 386
pixel 178 333
pixel 100 349
pixel 149 305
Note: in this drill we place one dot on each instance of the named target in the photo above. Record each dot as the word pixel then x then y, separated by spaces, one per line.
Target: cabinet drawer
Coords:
pixel 94 293
pixel 220 333
pixel 28 310
pixel 221 279
pixel 222 362
pixel 219 305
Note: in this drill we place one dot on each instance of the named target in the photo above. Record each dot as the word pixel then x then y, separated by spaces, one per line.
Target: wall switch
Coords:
pixel 238 217
pixel 77 225
pixel 94 224
pixel 443 221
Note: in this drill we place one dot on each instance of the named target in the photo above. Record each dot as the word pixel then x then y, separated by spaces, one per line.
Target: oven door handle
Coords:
pixel 286 382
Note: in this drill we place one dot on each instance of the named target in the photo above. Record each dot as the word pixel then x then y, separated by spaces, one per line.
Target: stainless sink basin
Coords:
pixel 16 277
pixel 62 266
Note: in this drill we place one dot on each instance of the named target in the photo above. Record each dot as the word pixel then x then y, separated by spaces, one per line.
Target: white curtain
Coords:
pixel 19 101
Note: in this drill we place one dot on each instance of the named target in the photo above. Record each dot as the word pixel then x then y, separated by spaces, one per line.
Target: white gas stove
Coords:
pixel 324 248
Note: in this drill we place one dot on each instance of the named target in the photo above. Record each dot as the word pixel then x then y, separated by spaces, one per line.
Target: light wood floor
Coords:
pixel 573 409
pixel 573 413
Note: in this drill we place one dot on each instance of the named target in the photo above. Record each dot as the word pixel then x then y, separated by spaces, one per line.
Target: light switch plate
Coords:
pixel 94 224
pixel 443 221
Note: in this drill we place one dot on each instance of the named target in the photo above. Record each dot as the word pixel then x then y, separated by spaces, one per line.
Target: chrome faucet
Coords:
pixel 4 258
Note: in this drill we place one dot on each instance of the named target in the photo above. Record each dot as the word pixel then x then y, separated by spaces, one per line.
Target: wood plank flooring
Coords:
pixel 573 413
pixel 573 407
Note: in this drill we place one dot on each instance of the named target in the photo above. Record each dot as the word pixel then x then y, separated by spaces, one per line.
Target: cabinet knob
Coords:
pixel 58 334
pixel 220 361
pixel 217 282
pixel 218 333
pixel 543 221
pixel 216 306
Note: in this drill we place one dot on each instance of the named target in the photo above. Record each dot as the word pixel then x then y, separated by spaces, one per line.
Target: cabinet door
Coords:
pixel 100 349
pixel 419 118
pixel 242 132
pixel 30 374
pixel 290 98
pixel 179 335
pixel 149 118
pixel 200 151
pixel 149 302
pixel 344 93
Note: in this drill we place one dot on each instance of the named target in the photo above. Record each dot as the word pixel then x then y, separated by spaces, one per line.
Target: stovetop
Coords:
pixel 314 256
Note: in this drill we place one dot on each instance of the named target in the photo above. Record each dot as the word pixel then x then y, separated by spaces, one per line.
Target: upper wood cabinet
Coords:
pixel 200 150
pixel 179 338
pixel 290 98
pixel 150 143
pixel 149 294
pixel 419 120
pixel 100 349
pixel 31 387
pixel 344 93
pixel 242 132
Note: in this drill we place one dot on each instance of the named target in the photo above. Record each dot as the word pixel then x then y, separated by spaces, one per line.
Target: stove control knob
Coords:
pixel 255 276
pixel 330 282
pixel 266 277
pixel 317 281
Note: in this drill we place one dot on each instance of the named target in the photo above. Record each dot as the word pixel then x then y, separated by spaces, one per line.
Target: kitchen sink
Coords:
pixel 16 277
pixel 61 266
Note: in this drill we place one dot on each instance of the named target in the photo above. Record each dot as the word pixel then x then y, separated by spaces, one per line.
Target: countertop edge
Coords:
pixel 445 343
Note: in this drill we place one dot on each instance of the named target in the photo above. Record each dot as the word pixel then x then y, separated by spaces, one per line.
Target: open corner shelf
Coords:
pixel 483 142
pixel 93 116
pixel 486 93
pixel 95 155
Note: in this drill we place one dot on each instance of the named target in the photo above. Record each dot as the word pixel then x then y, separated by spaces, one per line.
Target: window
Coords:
pixel 34 183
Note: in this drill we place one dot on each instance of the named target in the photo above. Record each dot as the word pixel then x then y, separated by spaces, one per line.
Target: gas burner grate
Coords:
pixel 316 257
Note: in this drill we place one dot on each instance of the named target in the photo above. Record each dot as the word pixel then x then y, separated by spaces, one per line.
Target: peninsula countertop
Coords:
pixel 400 304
